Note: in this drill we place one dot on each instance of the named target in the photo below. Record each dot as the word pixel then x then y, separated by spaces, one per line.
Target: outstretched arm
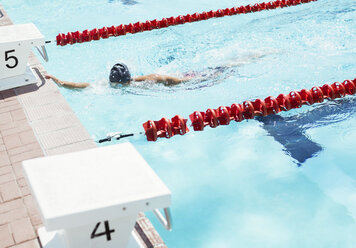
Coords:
pixel 164 79
pixel 66 84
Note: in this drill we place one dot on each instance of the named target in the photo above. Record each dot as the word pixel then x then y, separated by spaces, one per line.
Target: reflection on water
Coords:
pixel 290 131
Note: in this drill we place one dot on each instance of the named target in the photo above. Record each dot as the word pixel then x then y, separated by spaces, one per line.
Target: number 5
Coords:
pixel 7 57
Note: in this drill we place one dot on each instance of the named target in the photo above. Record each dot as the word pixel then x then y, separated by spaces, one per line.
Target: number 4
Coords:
pixel 107 231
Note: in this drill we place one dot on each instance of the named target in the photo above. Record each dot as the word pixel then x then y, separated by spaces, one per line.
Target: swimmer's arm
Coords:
pixel 67 84
pixel 166 80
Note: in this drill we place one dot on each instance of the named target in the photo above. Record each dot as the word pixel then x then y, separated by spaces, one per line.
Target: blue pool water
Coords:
pixel 282 181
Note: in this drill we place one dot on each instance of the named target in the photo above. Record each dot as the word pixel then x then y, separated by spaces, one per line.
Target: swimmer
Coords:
pixel 120 75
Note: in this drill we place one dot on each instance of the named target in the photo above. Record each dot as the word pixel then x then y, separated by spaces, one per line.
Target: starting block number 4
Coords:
pixel 107 231
pixel 103 234
pixel 79 215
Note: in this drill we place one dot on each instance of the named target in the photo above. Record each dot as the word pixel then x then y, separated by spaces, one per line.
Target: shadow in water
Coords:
pixel 125 2
pixel 290 131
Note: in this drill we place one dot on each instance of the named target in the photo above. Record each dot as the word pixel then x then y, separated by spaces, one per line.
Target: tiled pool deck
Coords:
pixel 36 121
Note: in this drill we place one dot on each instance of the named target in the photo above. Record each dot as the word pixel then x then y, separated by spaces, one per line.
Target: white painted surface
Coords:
pixel 117 234
pixel 16 42
pixel 24 79
pixel 91 186
pixel 55 239
pixel 21 32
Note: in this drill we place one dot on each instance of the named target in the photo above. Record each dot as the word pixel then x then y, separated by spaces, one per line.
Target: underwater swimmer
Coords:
pixel 120 75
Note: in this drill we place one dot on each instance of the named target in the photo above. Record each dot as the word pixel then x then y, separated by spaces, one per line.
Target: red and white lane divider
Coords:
pixel 113 31
pixel 223 115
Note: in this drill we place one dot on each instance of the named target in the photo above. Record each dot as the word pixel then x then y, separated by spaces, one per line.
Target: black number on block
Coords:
pixel 15 60
pixel 107 231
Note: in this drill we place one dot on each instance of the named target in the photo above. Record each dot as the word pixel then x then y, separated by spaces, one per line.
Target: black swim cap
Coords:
pixel 120 74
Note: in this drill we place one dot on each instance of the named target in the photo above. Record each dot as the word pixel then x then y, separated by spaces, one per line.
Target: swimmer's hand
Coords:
pixel 66 84
pixel 56 80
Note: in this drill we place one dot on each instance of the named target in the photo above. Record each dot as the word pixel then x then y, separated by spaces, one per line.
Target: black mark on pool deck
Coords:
pixel 1 14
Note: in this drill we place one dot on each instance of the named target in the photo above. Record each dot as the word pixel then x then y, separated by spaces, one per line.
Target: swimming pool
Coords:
pixel 284 181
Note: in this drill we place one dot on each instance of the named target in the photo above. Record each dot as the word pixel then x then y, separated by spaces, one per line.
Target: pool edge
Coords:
pixel 36 121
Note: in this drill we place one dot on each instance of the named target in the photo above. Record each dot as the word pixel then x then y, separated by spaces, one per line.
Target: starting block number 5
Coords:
pixel 13 59
pixel 8 57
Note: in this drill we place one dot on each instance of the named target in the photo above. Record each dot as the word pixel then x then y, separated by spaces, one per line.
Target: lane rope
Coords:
pixel 223 115
pixel 114 31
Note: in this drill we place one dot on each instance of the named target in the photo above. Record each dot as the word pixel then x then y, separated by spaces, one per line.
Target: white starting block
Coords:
pixel 16 42
pixel 91 199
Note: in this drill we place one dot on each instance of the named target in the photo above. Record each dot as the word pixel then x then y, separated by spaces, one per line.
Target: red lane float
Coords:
pixel 165 128
pixel 106 32
pixel 247 110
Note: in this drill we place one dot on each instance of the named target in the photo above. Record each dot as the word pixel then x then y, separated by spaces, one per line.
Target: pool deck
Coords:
pixel 36 121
